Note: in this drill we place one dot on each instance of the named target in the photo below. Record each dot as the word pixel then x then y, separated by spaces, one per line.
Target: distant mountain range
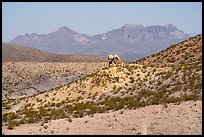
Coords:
pixel 131 42
pixel 15 53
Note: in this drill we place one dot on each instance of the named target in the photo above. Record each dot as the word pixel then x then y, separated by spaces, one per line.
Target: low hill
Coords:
pixel 16 53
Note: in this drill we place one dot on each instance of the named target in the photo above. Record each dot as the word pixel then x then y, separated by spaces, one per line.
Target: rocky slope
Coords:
pixel 185 52
pixel 130 41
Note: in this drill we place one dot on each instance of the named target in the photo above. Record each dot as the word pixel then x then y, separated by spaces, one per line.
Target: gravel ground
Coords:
pixel 183 119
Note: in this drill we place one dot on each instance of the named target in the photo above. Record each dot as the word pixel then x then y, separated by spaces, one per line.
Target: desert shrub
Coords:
pixel 45 126
pixel 42 111
pixel 57 113
pixel 128 73
pixel 198 85
pixel 7 106
pixel 10 116
pixel 134 104
pixel 154 70
pixel 168 75
pixel 54 93
pixel 10 126
pixel 154 101
pixel 69 119
pixel 165 100
pixel 80 106
pixel 139 84
pixel 39 100
pixel 132 80
pixel 31 120
pixel 92 111
pixel 5 117
pixel 79 114
pixel 191 97
pixel 114 87
pixel 146 93
pixel 182 62
pixel 172 59
pixel 13 123
pixel 159 82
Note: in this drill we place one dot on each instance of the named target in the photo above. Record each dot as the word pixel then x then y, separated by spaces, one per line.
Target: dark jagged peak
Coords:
pixel 34 34
pixel 37 36
pixel 171 26
pixel 168 27
pixel 31 37
pixel 64 30
pixel 176 32
pixel 132 26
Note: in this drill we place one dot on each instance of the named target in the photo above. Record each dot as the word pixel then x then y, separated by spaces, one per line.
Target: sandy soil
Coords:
pixel 185 119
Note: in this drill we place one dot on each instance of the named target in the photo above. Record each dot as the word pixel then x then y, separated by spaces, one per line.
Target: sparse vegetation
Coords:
pixel 135 86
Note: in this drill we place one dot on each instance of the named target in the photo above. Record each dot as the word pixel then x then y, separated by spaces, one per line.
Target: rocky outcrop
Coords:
pixel 115 61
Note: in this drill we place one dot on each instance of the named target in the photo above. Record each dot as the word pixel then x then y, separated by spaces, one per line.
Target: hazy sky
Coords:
pixel 19 18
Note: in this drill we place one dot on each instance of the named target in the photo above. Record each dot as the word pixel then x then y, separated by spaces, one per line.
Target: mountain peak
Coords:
pixel 64 29
pixel 132 26
pixel 171 26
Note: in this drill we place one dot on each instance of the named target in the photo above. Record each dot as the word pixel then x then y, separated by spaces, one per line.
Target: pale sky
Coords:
pixel 19 18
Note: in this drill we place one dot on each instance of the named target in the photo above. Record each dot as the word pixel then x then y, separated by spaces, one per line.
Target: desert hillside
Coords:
pixel 185 52
pixel 28 78
pixel 17 53
pixel 129 86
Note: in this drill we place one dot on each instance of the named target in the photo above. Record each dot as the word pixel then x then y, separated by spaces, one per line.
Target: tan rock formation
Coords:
pixel 115 61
